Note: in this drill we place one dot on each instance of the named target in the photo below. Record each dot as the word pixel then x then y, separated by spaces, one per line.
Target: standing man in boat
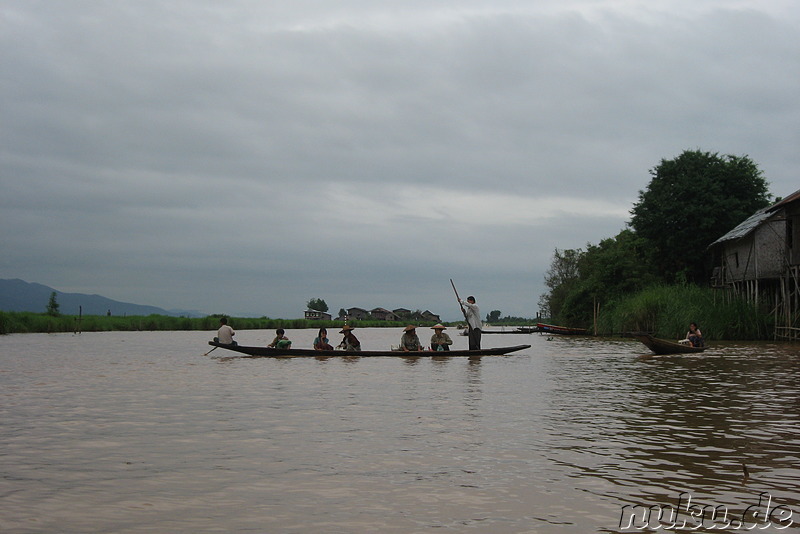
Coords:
pixel 225 333
pixel 473 316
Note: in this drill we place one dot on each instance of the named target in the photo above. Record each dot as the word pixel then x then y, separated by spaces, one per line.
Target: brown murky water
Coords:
pixel 139 432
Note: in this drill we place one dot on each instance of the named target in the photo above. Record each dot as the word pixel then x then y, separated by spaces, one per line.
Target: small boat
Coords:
pixel 516 330
pixel 662 346
pixel 502 332
pixel 267 352
pixel 562 330
pixel 527 329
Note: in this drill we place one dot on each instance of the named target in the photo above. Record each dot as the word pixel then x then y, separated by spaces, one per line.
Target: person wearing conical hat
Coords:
pixel 410 341
pixel 440 340
pixel 349 341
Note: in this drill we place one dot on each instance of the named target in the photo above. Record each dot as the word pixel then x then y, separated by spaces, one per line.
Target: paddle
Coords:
pixel 209 352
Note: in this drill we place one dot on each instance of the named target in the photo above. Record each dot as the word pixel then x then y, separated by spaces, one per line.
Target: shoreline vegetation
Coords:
pixel 30 322
pixel 664 311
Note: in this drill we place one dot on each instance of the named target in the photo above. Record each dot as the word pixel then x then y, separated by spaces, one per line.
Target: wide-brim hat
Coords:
pixel 410 328
pixel 346 328
pixel 439 326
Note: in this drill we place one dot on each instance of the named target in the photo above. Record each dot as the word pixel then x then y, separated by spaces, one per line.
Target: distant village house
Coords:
pixel 315 315
pixel 357 313
pixel 430 316
pixel 382 314
pixel 402 313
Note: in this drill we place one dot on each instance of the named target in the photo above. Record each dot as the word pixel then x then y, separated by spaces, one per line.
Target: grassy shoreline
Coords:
pixel 29 322
pixel 665 311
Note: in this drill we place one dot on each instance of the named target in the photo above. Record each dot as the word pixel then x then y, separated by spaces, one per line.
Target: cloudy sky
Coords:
pixel 243 157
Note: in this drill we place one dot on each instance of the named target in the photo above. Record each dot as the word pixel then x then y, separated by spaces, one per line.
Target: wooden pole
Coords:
pixel 460 305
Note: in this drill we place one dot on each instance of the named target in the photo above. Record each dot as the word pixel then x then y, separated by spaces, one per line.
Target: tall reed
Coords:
pixel 666 311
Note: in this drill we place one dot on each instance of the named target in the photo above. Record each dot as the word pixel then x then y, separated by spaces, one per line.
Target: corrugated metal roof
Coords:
pixel 745 227
pixel 791 198
pixel 752 222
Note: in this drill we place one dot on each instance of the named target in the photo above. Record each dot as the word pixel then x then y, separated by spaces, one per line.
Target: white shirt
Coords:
pixel 225 334
pixel 473 314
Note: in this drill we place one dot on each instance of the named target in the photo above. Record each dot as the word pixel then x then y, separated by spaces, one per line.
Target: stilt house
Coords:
pixel 760 260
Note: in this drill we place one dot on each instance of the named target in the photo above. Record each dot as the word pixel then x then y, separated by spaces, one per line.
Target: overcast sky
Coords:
pixel 243 157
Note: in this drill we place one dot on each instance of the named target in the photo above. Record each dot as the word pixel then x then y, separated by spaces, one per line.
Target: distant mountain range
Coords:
pixel 19 295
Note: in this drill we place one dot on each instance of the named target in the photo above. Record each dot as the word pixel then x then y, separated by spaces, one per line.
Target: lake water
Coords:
pixel 140 432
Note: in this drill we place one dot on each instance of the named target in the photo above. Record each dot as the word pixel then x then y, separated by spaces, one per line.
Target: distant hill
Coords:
pixel 19 295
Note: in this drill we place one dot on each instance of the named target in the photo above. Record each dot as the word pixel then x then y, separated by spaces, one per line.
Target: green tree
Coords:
pixel 560 278
pixel 53 305
pixel 493 316
pixel 318 305
pixel 606 272
pixel 690 202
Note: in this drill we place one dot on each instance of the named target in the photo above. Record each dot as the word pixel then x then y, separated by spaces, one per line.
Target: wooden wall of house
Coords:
pixel 757 256
pixel 771 244
pixel 787 315
pixel 793 233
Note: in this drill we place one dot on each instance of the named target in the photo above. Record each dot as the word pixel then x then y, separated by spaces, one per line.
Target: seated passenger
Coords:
pixel 321 341
pixel 440 340
pixel 694 335
pixel 280 341
pixel 410 341
pixel 349 341
pixel 225 333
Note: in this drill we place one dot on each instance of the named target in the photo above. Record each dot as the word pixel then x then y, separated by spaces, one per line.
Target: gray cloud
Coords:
pixel 244 157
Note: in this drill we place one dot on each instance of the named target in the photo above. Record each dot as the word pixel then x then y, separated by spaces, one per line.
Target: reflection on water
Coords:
pixel 139 432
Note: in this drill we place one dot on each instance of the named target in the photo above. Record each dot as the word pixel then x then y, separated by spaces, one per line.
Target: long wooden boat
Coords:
pixel 562 330
pixel 527 329
pixel 267 352
pixel 515 330
pixel 484 332
pixel 530 330
pixel 501 332
pixel 662 346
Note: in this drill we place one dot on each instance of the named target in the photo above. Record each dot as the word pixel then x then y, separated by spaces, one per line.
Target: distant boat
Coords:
pixel 562 330
pixel 516 330
pixel 259 352
pixel 527 329
pixel 662 346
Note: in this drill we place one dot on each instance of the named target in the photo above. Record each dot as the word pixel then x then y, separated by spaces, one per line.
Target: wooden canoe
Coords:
pixel 267 352
pixel 516 330
pixel 662 346
pixel 562 330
